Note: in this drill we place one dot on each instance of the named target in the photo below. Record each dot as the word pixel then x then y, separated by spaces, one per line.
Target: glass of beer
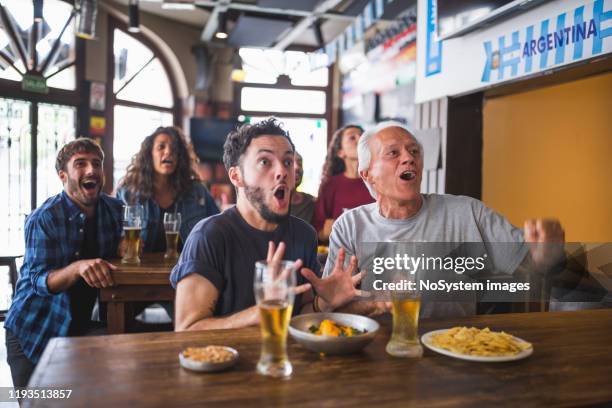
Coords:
pixel 172 225
pixel 404 340
pixel 132 226
pixel 274 286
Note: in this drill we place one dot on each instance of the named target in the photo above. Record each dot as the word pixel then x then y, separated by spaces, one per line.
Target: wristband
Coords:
pixel 315 305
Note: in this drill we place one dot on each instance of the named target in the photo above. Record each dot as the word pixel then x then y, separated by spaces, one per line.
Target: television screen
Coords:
pixel 398 104
pixel 208 136
pixel 359 109
pixel 457 17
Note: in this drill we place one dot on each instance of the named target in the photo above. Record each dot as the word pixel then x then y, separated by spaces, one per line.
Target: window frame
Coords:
pixel 112 100
pixel 283 82
pixel 12 90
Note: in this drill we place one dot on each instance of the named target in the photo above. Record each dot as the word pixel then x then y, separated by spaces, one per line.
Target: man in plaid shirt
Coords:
pixel 67 240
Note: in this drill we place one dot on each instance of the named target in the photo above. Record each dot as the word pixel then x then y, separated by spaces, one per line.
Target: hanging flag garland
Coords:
pixel 354 33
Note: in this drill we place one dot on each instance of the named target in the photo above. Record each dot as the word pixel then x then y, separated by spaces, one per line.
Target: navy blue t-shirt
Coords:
pixel 224 248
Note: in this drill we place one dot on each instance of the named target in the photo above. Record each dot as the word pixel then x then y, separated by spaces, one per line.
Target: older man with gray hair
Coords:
pixel 391 164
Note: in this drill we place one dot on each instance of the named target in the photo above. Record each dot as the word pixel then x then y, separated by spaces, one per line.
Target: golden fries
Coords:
pixel 478 342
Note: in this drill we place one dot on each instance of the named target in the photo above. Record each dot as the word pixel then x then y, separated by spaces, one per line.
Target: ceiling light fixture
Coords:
pixel 38 10
pixel 222 27
pixel 175 5
pixel 87 12
pixel 238 73
pixel 134 17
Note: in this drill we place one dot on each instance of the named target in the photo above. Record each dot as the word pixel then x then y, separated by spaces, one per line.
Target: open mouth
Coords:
pixel 167 161
pixel 280 193
pixel 89 185
pixel 408 175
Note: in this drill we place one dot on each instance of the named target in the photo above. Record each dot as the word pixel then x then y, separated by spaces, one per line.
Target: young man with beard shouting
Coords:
pixel 214 275
pixel 67 240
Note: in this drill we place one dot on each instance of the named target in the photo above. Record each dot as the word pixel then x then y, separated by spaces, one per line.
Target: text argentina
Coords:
pixel 560 38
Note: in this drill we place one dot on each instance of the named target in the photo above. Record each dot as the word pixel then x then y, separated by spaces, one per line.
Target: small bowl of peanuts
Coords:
pixel 209 358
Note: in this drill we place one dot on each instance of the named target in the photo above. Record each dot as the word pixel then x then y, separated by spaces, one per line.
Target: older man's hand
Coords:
pixel 546 238
pixel 339 287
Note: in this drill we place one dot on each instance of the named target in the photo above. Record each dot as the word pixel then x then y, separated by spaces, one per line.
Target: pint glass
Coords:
pixel 406 305
pixel 172 226
pixel 132 226
pixel 274 292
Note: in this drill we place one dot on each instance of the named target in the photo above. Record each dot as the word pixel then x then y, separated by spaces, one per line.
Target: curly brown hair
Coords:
pixel 238 141
pixel 334 165
pixel 138 179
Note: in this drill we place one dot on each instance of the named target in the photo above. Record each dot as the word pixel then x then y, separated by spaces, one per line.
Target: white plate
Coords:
pixel 426 340
pixel 208 367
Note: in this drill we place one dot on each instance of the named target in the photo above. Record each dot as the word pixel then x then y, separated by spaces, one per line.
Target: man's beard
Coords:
pixel 256 197
pixel 73 187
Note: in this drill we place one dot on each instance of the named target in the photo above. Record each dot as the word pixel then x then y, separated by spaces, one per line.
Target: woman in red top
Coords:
pixel 341 186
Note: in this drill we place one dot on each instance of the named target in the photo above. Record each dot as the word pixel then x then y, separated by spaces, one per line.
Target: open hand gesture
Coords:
pixel 339 287
pixel 276 255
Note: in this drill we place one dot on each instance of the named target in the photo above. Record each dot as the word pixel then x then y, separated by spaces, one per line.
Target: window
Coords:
pixel 136 68
pixel 139 108
pixel 137 123
pixel 310 139
pixel 289 86
pixel 264 66
pixel 56 127
pixel 282 100
pixel 59 71
pixel 33 127
pixel 15 165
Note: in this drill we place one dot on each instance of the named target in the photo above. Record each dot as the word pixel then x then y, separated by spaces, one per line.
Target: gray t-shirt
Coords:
pixel 442 218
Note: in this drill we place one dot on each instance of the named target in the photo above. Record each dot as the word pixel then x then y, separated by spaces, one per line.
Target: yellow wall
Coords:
pixel 548 152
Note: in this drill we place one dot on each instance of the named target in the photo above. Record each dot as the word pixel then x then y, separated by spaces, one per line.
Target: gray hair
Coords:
pixel 364 154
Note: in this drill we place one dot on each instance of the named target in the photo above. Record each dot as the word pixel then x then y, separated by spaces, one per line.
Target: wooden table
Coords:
pixel 147 282
pixel 571 366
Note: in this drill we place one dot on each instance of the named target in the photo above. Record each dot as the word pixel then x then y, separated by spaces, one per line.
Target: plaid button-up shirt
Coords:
pixel 53 240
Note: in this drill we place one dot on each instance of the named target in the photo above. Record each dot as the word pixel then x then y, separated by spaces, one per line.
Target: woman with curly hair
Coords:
pixel 341 186
pixel 161 178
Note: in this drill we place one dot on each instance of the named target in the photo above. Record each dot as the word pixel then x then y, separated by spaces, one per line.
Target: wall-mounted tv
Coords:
pixel 360 109
pixel 208 136
pixel 458 17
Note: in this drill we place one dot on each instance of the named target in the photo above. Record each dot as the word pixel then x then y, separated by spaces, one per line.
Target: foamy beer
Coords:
pixel 404 340
pixel 172 225
pixel 132 227
pixel 171 245
pixel 274 291
pixel 275 316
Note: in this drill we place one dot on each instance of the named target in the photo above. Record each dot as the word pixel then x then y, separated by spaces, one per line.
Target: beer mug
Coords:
pixel 172 226
pixel 274 286
pixel 406 305
pixel 132 226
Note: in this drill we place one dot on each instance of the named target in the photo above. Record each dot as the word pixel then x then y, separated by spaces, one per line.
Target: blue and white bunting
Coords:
pixel 371 13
